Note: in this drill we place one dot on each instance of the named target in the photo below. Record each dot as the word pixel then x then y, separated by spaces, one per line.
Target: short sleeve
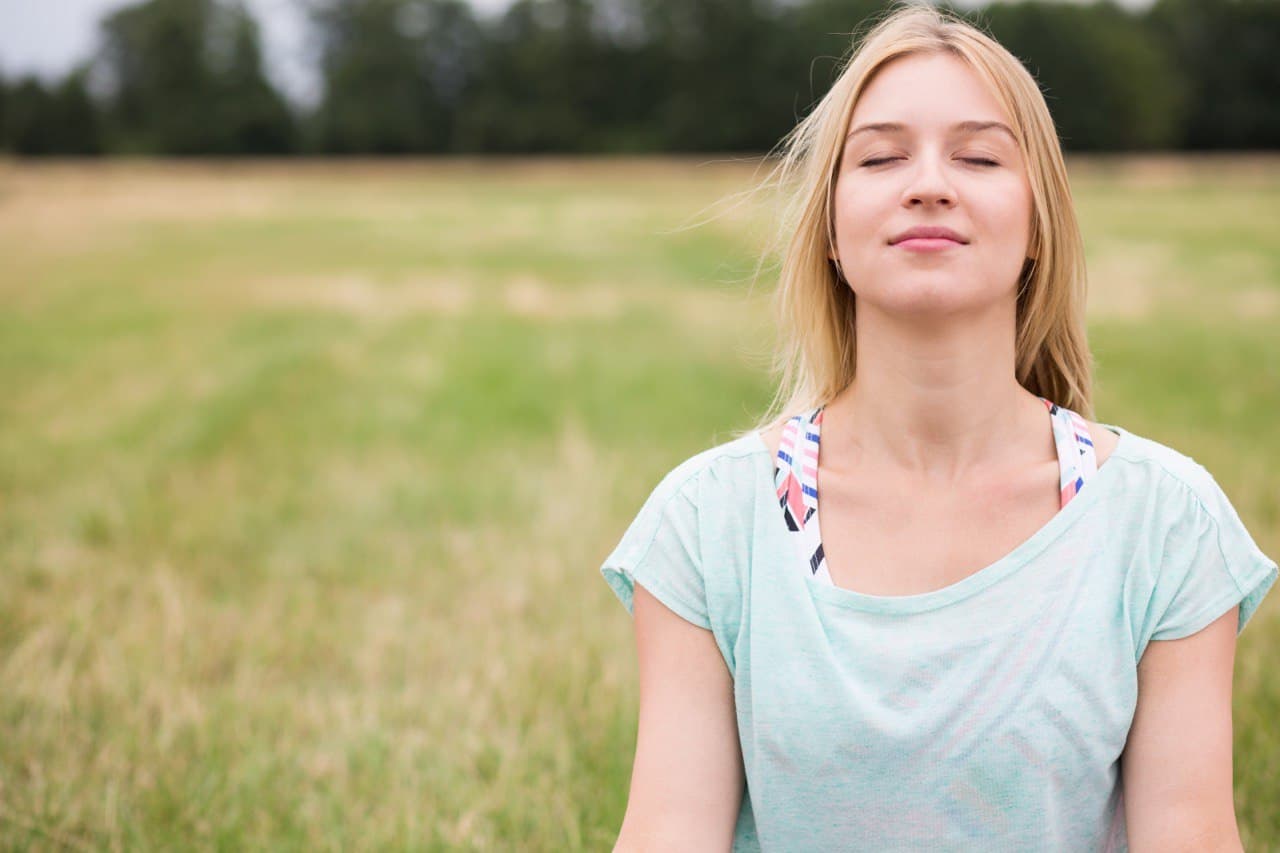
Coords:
pixel 660 550
pixel 1209 565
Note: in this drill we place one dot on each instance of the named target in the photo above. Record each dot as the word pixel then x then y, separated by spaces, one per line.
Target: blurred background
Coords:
pixel 340 341
pixel 222 77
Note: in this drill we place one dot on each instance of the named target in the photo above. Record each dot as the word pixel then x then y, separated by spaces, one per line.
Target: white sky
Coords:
pixel 48 37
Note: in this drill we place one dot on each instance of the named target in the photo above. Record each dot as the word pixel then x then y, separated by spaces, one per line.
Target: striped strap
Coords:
pixel 796 481
pixel 1077 462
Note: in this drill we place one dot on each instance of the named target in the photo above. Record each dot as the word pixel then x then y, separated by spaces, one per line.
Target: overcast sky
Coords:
pixel 47 37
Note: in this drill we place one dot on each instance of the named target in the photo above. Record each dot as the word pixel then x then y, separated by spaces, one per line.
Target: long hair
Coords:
pixel 815 308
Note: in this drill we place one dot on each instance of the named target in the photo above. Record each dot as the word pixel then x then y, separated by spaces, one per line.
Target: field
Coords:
pixel 306 474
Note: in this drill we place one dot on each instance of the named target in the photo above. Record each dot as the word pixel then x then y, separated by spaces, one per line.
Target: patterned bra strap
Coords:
pixel 1077 462
pixel 796 481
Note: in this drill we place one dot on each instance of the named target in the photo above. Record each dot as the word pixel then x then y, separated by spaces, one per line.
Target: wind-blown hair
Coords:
pixel 815 308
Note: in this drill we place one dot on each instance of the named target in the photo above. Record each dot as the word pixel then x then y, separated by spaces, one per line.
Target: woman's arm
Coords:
pixel 1176 766
pixel 687 781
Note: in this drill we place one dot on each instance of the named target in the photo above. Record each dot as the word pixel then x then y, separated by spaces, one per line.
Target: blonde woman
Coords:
pixel 1006 626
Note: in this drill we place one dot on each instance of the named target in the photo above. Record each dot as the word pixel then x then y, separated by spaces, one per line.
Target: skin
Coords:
pixel 935 404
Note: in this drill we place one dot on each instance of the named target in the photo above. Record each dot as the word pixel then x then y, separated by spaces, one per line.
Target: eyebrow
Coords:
pixel 963 126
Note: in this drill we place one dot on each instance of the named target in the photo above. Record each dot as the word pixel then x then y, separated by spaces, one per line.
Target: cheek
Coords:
pixel 852 210
pixel 1006 215
pixel 1022 213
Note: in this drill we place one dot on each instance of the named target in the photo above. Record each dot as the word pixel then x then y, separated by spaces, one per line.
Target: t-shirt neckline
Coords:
pixel 1094 490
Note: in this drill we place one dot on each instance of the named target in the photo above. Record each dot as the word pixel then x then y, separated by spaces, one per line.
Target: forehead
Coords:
pixel 928 93
pixel 968 127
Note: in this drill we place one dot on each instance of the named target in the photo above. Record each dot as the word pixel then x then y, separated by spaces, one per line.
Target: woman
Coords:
pixel 1016 628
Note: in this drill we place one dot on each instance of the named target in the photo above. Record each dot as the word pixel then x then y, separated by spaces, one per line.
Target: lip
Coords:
pixel 930 233
pixel 926 244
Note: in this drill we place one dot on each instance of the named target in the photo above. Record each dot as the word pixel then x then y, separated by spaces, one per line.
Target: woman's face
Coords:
pixel 931 171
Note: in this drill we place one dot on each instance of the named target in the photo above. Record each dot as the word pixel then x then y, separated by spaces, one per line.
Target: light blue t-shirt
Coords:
pixel 986 715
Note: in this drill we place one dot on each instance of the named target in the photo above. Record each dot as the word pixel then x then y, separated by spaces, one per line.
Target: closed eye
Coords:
pixel 981 161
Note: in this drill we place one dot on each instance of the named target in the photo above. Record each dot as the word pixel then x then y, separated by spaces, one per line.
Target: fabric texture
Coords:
pixel 988 714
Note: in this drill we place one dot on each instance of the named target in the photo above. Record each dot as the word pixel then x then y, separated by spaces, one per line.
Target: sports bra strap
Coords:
pixel 1077 462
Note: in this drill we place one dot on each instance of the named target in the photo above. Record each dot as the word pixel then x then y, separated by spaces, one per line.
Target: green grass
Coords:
pixel 306 473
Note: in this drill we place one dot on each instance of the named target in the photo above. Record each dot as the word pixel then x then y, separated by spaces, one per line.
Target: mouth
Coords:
pixel 928 232
pixel 927 244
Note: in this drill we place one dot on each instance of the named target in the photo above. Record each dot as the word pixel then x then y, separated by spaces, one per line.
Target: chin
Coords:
pixel 930 294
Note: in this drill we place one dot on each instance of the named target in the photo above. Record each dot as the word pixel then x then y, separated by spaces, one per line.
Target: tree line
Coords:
pixel 186 77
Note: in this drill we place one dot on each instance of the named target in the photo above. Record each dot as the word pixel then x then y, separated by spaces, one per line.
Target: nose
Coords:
pixel 927 185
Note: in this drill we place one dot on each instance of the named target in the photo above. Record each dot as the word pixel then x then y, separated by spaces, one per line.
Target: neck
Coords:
pixel 936 407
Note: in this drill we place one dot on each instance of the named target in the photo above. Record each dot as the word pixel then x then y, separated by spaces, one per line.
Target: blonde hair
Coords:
pixel 815 308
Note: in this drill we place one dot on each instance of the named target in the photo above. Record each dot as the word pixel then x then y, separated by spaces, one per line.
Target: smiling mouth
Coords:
pixel 927 244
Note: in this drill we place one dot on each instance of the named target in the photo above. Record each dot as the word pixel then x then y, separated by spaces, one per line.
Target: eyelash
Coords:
pixel 982 161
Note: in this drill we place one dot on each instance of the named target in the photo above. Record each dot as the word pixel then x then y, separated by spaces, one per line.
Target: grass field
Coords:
pixel 306 474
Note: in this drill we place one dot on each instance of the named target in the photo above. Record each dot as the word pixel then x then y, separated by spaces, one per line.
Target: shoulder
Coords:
pixel 1157 463
pixel 1170 487
pixel 772 437
pixel 1186 537
pixel 1104 441
pixel 694 493
pixel 731 461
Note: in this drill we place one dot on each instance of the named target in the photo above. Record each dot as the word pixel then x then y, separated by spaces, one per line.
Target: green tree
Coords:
pixel 253 115
pixel 61 120
pixel 394 72
pixel 1225 56
pixel 736 71
pixel 546 83
pixel 1108 82
pixel 186 78
pixel 155 57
